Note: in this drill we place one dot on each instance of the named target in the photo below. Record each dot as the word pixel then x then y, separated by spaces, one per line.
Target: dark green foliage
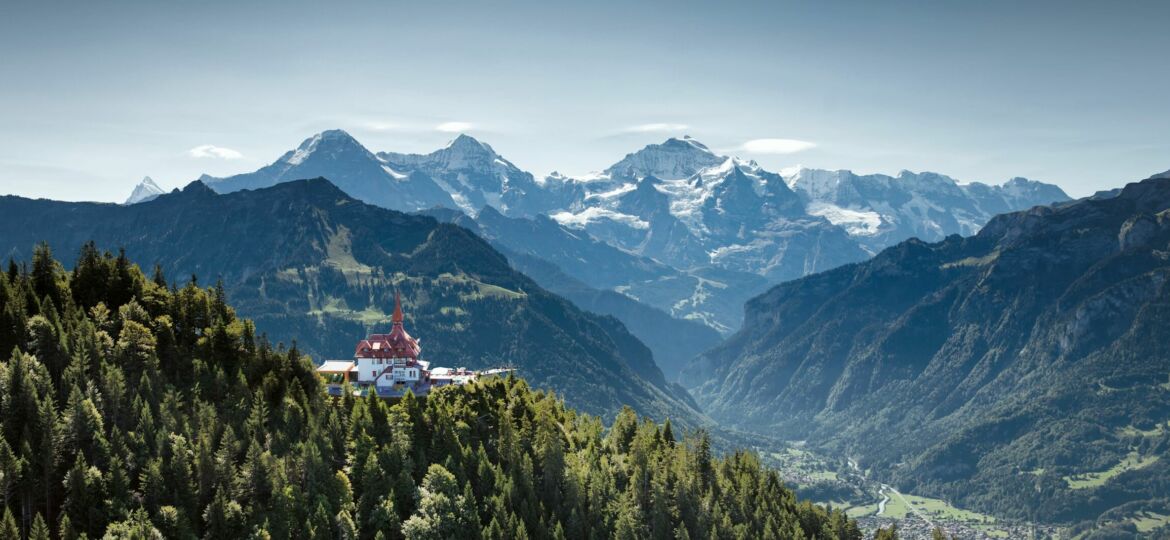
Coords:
pixel 887 534
pixel 173 420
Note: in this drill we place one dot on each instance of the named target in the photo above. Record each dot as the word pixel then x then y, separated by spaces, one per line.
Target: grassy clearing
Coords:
pixel 822 475
pixel 1148 521
pixel 1132 462
pixel 1131 431
pixel 995 533
pixel 479 289
pixel 339 254
pixel 896 507
pixel 800 467
pixel 494 291
pixel 335 307
pixel 936 508
pixel 861 510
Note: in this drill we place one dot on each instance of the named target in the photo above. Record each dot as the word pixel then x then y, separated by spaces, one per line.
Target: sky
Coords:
pixel 96 95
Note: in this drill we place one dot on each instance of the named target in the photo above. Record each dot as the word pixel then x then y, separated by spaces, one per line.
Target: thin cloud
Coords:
pixel 384 126
pixel 214 152
pixel 657 127
pixel 777 146
pixel 454 127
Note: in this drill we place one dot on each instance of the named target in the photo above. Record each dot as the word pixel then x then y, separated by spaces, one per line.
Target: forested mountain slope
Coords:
pixel 130 409
pixel 581 269
pixel 1024 370
pixel 311 264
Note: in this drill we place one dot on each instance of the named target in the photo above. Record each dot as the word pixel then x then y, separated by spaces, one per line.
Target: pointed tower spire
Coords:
pixel 397 308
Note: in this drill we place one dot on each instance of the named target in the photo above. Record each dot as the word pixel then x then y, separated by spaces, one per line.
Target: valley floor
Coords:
pixel 841 483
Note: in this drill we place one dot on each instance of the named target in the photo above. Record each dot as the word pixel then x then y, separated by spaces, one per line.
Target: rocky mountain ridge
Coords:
pixel 953 368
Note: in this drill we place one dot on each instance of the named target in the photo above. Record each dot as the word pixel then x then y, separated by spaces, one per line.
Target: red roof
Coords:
pixel 396 344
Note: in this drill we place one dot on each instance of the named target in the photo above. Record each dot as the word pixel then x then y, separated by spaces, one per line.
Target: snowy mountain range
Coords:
pixel 145 190
pixel 879 210
pixel 474 175
pixel 715 229
pixel 680 203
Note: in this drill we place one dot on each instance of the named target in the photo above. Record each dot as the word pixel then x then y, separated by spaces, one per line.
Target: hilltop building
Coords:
pixel 390 364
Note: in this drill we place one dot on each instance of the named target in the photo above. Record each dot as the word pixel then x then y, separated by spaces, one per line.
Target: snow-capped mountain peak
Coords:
pixel 671 160
pixel 466 152
pixel 341 159
pixel 333 142
pixel 472 173
pixel 145 190
pixel 463 152
pixel 467 143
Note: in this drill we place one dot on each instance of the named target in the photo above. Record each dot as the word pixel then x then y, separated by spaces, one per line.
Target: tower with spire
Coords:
pixel 390 358
pixel 390 364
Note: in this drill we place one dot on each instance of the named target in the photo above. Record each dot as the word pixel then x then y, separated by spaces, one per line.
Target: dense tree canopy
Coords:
pixel 132 408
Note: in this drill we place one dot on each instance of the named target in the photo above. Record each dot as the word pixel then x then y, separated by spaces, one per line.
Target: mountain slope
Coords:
pixel 674 342
pixel 308 262
pixel 532 244
pixel 1007 371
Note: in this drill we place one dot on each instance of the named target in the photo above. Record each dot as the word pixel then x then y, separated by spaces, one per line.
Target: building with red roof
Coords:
pixel 390 364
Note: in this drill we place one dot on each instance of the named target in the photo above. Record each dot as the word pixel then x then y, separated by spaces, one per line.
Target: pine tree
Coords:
pixel 11 468
pixel 8 528
pixel 136 526
pixel 346 530
pixel 384 519
pixel 443 511
pixel 38 531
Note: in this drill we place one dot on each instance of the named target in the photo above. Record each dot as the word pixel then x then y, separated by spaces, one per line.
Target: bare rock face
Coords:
pixel 1137 231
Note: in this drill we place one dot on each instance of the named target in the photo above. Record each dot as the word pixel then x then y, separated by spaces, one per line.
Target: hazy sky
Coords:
pixel 95 95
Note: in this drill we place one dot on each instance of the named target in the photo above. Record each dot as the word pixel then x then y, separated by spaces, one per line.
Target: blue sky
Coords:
pixel 96 95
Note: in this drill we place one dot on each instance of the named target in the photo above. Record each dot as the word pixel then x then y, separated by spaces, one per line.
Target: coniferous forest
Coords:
pixel 135 408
